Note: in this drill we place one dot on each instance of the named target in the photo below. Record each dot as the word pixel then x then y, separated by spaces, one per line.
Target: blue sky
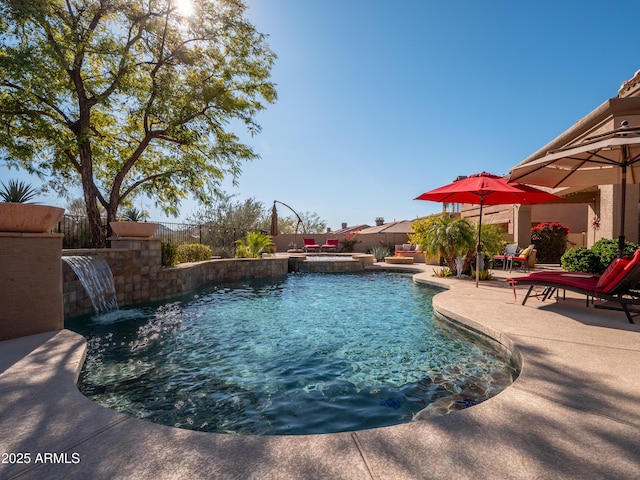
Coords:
pixel 380 101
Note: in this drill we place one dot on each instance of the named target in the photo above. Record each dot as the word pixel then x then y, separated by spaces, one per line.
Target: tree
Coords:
pixel 129 97
pixel 444 236
pixel 227 220
pixel 450 237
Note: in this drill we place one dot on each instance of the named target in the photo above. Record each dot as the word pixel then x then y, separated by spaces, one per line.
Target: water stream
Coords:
pixel 96 277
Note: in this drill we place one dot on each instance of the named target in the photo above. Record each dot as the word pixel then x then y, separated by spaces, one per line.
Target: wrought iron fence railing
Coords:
pixel 220 238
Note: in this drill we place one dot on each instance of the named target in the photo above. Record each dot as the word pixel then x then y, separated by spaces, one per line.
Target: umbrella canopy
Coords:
pixel 612 158
pixel 487 189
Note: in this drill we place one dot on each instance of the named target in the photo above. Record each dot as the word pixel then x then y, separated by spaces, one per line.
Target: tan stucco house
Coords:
pixel 589 212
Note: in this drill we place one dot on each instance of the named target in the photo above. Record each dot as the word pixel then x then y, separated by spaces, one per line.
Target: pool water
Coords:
pixel 308 353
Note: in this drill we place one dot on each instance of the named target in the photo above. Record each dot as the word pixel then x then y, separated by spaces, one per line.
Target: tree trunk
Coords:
pixel 91 196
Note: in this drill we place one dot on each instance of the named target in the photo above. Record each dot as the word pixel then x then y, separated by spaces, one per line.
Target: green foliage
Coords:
pixel 606 250
pixel 448 237
pixel 380 252
pixel 597 259
pixel 443 272
pixel 17 192
pixel 482 274
pixel 193 252
pixel 492 239
pixel 256 244
pixel 169 254
pixel 128 97
pixel 132 214
pixel 445 236
pixel 550 240
pixel 581 259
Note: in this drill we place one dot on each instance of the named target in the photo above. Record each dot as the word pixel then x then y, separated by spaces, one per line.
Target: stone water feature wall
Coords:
pixel 30 284
pixel 139 277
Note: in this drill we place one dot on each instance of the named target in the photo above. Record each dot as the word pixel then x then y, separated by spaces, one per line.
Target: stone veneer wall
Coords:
pixel 139 277
pixel 358 263
pixel 30 284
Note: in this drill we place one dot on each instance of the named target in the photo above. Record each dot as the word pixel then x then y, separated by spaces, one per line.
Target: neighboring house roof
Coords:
pixel 355 228
pixel 403 226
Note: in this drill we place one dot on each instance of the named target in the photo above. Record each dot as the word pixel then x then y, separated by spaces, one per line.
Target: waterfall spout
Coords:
pixel 96 277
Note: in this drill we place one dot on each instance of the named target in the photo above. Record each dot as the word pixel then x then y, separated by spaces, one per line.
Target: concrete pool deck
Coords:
pixel 574 412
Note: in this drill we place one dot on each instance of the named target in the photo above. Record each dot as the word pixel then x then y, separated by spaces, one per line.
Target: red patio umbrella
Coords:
pixel 487 189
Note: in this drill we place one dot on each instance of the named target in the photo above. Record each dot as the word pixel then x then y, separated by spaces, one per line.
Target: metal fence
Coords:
pixel 220 238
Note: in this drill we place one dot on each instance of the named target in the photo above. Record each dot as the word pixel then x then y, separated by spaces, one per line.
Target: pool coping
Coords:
pixel 573 412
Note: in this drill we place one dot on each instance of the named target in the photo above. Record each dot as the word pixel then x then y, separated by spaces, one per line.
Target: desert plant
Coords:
pixel 550 239
pixel 380 253
pixel 169 254
pixel 255 245
pixel 17 192
pixel 193 252
pixel 580 259
pixel 133 214
pixel 482 274
pixel 443 272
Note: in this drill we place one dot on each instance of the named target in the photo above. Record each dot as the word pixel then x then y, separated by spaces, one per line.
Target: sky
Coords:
pixel 381 100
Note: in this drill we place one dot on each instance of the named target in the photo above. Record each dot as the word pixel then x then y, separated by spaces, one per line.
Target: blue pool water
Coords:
pixel 309 353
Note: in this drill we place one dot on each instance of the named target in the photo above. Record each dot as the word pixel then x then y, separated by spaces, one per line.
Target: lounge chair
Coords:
pixel 521 258
pixel 618 284
pixel 330 245
pixel 509 251
pixel 310 244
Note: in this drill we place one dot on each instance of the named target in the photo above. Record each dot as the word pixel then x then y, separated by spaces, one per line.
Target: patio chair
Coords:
pixel 330 245
pixel 509 251
pixel 310 245
pixel 521 258
pixel 618 284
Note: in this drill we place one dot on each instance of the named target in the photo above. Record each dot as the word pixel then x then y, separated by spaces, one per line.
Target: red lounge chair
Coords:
pixel 330 245
pixel 310 244
pixel 616 285
pixel 521 258
pixel 509 251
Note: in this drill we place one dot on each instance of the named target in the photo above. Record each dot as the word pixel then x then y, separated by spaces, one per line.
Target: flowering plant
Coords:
pixel 550 240
pixel 350 240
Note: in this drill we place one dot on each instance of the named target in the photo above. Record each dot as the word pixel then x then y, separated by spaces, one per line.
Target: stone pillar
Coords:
pixel 610 207
pixel 136 279
pixel 30 284
pixel 522 226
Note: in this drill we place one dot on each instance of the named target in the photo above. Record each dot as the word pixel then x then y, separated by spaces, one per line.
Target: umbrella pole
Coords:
pixel 478 248
pixel 623 194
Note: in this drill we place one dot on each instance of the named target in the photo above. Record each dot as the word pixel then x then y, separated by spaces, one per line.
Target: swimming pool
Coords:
pixel 308 353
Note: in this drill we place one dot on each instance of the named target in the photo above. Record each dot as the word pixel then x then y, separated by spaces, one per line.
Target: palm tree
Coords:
pixel 257 243
pixel 444 236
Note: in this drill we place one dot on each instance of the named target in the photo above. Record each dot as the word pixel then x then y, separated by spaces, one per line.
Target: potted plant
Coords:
pixel 133 224
pixel 18 215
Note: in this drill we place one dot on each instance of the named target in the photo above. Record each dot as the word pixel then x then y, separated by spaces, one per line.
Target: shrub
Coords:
pixel 193 252
pixel 169 254
pixel 550 240
pixel 256 244
pixel 606 250
pixel 581 259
